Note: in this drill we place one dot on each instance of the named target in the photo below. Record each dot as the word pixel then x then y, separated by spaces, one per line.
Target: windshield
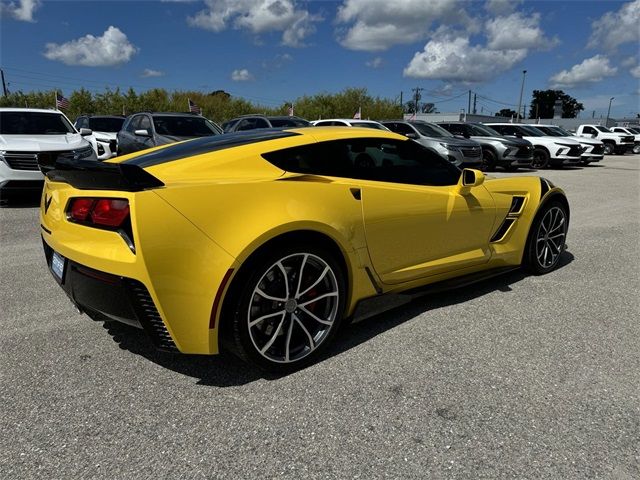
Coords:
pixel 431 130
pixel 34 123
pixel 603 129
pixel 184 126
pixel 551 131
pixel 368 125
pixel 531 131
pixel 483 131
pixel 106 124
pixel 288 122
pixel 634 130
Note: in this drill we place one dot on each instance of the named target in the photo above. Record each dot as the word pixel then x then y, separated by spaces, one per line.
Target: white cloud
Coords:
pixel 452 59
pixel 375 25
pixel 112 48
pixel 517 31
pixel 241 75
pixel 629 61
pixel 635 71
pixel 501 7
pixel 591 70
pixel 258 16
pixel 151 73
pixel 277 62
pixel 22 10
pixel 616 28
pixel 375 62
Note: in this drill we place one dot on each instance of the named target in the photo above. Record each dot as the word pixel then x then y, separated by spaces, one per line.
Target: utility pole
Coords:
pixel 608 112
pixel 537 105
pixel 4 85
pixel 593 114
pixel 416 97
pixel 469 105
pixel 524 111
pixel 475 97
pixel 401 104
pixel 524 72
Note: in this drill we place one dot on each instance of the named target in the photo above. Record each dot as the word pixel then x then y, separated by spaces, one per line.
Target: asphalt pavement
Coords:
pixel 515 377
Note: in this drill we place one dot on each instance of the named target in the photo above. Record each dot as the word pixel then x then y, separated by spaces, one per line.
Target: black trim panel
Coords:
pixel 202 145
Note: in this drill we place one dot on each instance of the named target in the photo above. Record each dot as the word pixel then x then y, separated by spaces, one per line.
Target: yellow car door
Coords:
pixel 417 221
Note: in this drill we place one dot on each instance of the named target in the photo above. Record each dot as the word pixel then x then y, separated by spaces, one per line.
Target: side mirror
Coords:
pixel 470 178
pixel 594 135
pixel 143 132
pixel 413 136
pixel 85 132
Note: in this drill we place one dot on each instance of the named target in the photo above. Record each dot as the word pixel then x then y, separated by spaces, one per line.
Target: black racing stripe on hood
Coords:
pixel 207 144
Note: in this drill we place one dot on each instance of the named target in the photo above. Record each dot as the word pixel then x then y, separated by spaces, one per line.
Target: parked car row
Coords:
pixel 30 135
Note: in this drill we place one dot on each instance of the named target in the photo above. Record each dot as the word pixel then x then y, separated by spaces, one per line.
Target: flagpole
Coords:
pixel 55 99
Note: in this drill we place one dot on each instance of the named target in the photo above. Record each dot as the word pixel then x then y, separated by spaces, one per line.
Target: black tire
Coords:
pixel 285 335
pixel 540 158
pixel 547 238
pixel 609 148
pixel 488 163
pixel 636 148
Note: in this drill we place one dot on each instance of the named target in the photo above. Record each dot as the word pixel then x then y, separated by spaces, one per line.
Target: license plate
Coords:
pixel 57 265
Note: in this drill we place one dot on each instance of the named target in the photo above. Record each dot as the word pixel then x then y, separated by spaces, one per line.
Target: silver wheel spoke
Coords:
pixel 304 261
pixel 317 319
pixel 258 320
pixel 557 226
pixel 286 278
pixel 288 342
pixel 312 344
pixel 273 337
pixel 331 294
pixel 269 297
pixel 324 272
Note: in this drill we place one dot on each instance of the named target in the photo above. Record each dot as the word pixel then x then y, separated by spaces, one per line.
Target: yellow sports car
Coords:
pixel 263 242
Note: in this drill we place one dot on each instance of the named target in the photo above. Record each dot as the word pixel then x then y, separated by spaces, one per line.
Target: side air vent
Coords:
pixel 517 202
pixel 149 317
pixel 502 231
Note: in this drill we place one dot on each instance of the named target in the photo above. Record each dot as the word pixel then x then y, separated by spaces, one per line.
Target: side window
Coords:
pixel 246 124
pixel 261 123
pixel 504 129
pixel 133 124
pixel 82 122
pixel 324 124
pixel 588 130
pixel 383 160
pixel 401 128
pixel 145 123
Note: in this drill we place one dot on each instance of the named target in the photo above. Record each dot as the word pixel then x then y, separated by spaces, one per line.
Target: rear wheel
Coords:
pixel 636 147
pixel 540 158
pixel 547 238
pixel 289 308
pixel 609 148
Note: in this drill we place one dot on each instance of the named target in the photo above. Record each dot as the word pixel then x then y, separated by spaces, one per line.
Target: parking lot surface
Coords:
pixel 515 377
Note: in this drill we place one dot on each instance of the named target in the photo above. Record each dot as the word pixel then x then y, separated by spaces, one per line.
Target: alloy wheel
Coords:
pixel 551 237
pixel 293 308
pixel 608 148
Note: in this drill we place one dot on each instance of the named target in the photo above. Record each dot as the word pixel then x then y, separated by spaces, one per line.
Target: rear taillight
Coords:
pixel 101 212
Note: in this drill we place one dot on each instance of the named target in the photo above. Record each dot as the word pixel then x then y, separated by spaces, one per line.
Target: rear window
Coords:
pixel 34 123
pixel 106 124
pixel 183 126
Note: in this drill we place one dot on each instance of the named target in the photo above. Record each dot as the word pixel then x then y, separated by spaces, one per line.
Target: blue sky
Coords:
pixel 272 51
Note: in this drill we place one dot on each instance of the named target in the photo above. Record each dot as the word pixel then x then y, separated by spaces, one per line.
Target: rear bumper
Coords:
pixel 106 297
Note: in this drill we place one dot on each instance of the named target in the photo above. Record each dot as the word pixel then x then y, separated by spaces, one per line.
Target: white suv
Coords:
pixel 28 134
pixel 348 122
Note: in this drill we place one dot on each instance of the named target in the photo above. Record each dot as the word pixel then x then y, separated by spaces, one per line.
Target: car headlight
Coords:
pixel 85 153
pixel 449 146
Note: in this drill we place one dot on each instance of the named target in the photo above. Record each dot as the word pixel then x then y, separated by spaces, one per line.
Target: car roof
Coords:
pixel 31 110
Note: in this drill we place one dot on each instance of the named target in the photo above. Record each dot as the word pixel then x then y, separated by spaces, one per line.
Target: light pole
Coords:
pixel 606 124
pixel 524 72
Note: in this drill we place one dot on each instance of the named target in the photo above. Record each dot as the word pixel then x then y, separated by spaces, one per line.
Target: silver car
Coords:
pixel 458 151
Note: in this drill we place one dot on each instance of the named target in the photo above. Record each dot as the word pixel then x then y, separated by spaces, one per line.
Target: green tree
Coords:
pixel 543 101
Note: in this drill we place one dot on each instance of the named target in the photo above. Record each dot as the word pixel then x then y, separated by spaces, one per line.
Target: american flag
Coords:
pixel 193 108
pixel 358 114
pixel 291 110
pixel 61 102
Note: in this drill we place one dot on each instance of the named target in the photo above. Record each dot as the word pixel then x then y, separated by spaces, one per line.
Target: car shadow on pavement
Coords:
pixel 20 200
pixel 381 314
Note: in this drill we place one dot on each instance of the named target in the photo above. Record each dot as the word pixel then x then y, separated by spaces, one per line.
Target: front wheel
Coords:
pixel 289 308
pixel 608 148
pixel 636 147
pixel 547 238
pixel 488 161
pixel 540 158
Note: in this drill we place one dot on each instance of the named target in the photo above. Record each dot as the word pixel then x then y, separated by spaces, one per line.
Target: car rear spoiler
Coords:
pixel 94 175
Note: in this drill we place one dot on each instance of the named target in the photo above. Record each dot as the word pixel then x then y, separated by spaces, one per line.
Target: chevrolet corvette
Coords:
pixel 263 242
